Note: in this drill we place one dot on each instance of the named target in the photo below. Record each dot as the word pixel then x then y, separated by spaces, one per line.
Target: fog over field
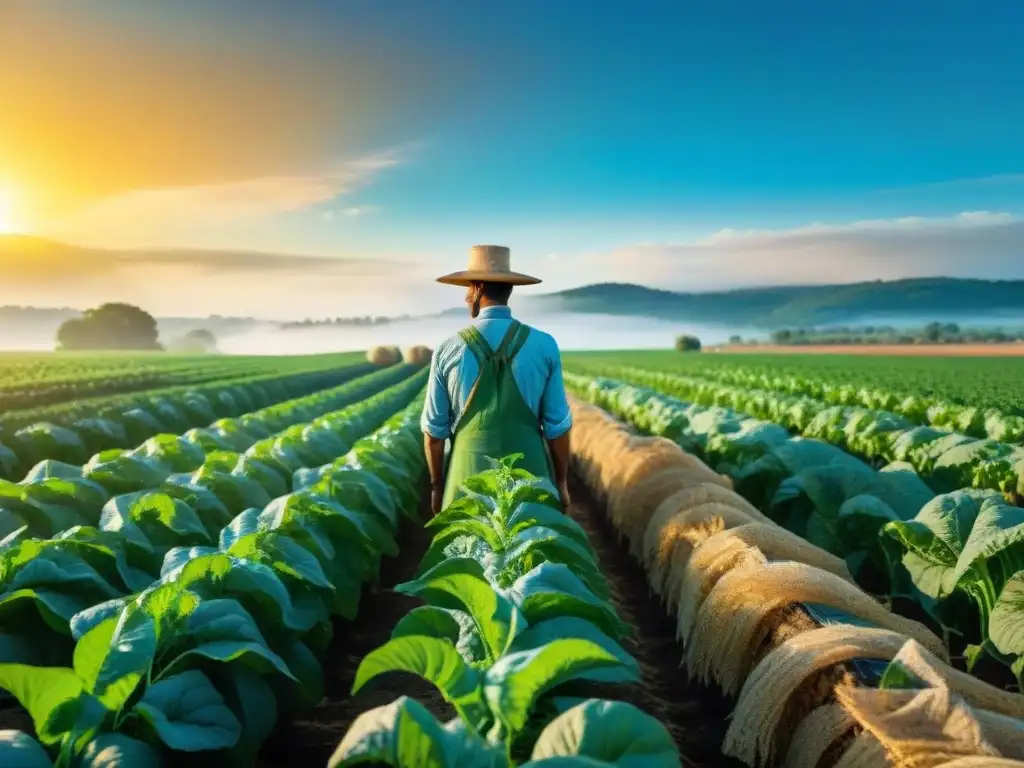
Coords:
pixel 572 331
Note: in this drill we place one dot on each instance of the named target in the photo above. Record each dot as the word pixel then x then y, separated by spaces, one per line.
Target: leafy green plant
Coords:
pixel 515 607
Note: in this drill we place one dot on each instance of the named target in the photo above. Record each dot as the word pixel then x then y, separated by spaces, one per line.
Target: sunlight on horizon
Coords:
pixel 7 226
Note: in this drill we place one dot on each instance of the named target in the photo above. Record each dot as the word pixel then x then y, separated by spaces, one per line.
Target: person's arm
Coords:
pixel 436 426
pixel 434 449
pixel 556 421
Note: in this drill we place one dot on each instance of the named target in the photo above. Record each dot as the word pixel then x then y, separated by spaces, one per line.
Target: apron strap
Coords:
pixel 503 349
pixel 477 344
pixel 517 343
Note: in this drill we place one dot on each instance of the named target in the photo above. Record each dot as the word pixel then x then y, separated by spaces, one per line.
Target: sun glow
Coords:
pixel 6 213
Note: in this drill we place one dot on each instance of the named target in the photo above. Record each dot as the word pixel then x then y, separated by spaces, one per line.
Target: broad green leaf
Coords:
pixel 459 584
pixel 455 626
pixel 43 440
pixel 285 556
pixel 1006 623
pixel 43 691
pixel 517 680
pixel 552 589
pixel 115 750
pixel 19 750
pixel 307 670
pixel 434 660
pixel 174 452
pixel 613 732
pixel 529 514
pixel 256 586
pixel 222 630
pixel 404 734
pixel 562 627
pixel 155 518
pixel 125 474
pixel 188 714
pixel 251 698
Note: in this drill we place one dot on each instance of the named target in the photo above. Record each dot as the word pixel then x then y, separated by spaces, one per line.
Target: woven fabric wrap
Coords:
pixel 943 720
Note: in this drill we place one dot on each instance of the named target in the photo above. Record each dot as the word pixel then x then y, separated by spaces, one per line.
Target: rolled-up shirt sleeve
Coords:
pixel 437 409
pixel 556 416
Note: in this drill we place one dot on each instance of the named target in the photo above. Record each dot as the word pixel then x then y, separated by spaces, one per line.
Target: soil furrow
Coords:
pixel 694 714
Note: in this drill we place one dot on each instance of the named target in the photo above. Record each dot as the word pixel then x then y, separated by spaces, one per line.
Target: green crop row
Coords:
pixel 188 618
pixel 958 557
pixel 76 430
pixel 93 379
pixel 515 606
pixel 946 460
pixel 870 381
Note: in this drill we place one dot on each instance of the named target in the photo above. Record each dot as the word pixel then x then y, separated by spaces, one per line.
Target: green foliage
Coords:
pixel 687 343
pixel 514 607
pixel 110 326
pixel 165 625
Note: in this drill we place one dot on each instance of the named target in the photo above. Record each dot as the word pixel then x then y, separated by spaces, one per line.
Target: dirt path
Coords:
pixel 311 740
pixel 695 715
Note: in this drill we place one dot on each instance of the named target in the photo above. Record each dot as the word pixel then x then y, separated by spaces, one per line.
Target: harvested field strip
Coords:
pixel 885 523
pixel 778 634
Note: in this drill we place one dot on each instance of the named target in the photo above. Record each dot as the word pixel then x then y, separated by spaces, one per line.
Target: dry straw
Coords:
pixel 864 752
pixel 739 582
pixel 955 716
pixel 816 735
pixel 795 678
pixel 417 355
pixel 719 553
pixel 384 355
pixel 746 604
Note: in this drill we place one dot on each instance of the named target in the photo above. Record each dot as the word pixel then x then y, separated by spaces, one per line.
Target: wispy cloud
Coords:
pixel 361 210
pixel 971 244
pixel 168 215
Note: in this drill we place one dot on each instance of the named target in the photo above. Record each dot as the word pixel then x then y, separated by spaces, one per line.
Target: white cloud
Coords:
pixel 176 215
pixel 970 244
pixel 361 210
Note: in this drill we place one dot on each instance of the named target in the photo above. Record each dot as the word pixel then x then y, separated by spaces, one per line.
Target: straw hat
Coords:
pixel 488 263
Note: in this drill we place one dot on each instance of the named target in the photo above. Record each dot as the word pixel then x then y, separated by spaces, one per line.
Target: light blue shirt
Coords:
pixel 537 370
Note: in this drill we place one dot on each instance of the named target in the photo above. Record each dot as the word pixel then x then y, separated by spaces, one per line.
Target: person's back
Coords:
pixel 495 388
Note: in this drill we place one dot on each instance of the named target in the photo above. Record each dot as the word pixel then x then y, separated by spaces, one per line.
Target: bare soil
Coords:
pixel 881 350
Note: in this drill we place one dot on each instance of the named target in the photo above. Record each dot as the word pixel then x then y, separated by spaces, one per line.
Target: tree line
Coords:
pixel 932 333
pixel 117 326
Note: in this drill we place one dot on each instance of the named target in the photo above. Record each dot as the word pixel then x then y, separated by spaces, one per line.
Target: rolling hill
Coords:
pixel 937 298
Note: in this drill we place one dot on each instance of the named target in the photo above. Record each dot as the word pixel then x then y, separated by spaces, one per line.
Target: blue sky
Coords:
pixel 581 133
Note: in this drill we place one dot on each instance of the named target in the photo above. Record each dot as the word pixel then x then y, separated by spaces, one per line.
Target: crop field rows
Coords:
pixel 74 430
pixel 262 590
pixel 183 609
pixel 985 383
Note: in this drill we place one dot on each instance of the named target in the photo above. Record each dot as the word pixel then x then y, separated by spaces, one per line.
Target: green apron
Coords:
pixel 496 421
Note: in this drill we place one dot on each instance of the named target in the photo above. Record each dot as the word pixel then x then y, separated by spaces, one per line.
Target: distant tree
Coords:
pixel 951 329
pixel 687 343
pixel 932 332
pixel 735 339
pixel 782 336
pixel 196 341
pixel 110 326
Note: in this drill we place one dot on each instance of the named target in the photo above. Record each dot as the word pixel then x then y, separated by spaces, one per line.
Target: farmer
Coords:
pixel 495 388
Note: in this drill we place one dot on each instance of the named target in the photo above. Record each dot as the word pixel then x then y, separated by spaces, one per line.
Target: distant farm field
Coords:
pixel 883 350
pixel 983 382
